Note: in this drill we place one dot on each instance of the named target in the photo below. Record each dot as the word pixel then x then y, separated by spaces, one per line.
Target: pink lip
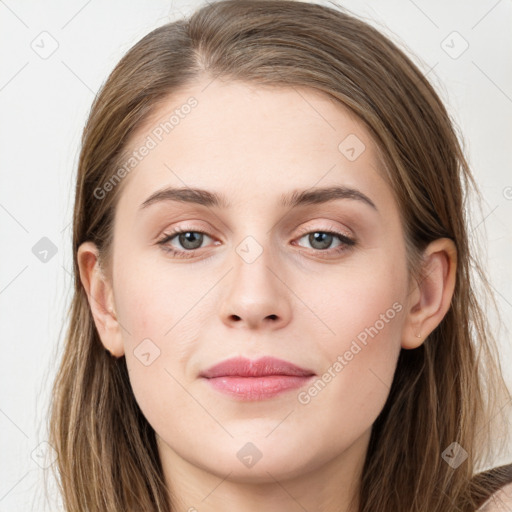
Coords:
pixel 256 380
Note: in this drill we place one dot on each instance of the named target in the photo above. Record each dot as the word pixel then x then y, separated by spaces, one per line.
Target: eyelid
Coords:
pixel 184 227
pixel 330 229
pixel 302 231
pixel 348 241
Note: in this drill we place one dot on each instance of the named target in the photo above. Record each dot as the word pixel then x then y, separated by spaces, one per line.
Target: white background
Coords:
pixel 44 103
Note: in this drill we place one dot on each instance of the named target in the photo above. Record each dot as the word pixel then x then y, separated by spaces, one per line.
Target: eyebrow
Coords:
pixel 290 200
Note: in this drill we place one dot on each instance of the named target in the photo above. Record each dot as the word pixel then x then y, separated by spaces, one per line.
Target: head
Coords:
pixel 351 142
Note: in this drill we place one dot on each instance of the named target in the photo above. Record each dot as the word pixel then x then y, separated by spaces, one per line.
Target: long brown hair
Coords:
pixel 445 391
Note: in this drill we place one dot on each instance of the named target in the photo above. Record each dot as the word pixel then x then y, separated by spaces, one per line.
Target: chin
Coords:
pixel 259 461
pixel 262 472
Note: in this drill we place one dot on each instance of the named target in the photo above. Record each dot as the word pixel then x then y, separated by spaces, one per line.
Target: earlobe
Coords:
pixel 430 298
pixel 100 297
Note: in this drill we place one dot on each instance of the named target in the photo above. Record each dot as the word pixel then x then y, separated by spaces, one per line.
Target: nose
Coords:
pixel 257 296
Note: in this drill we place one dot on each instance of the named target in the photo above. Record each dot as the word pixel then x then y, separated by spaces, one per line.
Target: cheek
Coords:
pixel 349 319
pixel 362 317
pixel 360 301
pixel 153 299
pixel 162 316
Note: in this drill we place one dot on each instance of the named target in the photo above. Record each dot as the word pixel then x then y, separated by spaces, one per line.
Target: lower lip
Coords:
pixel 257 388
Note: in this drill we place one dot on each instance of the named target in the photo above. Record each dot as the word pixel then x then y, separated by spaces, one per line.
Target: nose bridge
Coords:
pixel 252 240
pixel 249 249
pixel 252 262
pixel 256 294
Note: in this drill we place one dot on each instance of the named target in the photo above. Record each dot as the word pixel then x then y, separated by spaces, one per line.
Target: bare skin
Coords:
pixel 297 300
pixel 500 501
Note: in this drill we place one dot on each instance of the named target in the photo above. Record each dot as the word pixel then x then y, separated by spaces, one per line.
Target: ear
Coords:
pixel 101 298
pixel 430 299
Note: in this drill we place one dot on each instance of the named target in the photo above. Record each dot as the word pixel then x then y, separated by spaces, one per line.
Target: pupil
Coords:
pixel 188 238
pixel 320 237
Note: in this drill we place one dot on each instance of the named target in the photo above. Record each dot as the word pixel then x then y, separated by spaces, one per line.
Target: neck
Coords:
pixel 330 485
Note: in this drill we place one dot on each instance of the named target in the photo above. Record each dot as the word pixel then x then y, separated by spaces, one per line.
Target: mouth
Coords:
pixel 248 380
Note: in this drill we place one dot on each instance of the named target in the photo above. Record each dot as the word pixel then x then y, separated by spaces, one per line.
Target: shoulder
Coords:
pixel 500 501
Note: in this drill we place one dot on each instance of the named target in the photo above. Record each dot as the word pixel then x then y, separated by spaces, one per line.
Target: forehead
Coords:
pixel 251 143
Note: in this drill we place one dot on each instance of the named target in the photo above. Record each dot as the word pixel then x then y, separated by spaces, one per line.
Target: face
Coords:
pixel 320 284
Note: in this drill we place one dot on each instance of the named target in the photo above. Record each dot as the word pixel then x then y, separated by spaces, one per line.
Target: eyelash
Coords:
pixel 346 242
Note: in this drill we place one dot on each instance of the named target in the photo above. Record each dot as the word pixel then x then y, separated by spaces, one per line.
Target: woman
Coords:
pixel 274 308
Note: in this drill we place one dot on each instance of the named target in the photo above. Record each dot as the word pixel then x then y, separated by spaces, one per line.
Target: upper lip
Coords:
pixel 243 367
